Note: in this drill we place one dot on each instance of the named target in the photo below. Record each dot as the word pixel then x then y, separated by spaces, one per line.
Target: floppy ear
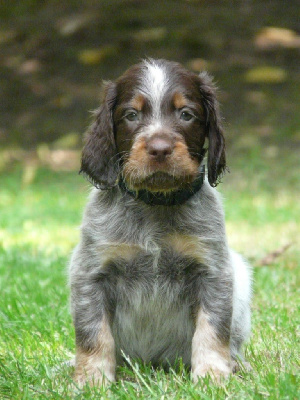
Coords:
pixel 98 160
pixel 216 159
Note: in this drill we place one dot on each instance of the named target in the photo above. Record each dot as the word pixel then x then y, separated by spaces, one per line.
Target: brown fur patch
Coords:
pixel 179 100
pixel 114 251
pixel 138 154
pixel 189 165
pixel 188 245
pixel 98 365
pixel 138 102
pixel 209 354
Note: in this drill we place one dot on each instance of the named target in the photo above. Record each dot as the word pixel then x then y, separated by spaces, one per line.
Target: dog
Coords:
pixel 152 277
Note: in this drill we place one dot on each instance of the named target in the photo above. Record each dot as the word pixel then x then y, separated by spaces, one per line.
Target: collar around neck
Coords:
pixel 173 198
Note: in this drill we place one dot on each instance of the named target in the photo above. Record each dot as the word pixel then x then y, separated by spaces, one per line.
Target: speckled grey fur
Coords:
pixel 152 297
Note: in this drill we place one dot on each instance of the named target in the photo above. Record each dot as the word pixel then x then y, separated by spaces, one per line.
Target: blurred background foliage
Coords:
pixel 54 55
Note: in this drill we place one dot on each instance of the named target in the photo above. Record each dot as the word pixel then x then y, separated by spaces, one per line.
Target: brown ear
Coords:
pixel 216 159
pixel 99 156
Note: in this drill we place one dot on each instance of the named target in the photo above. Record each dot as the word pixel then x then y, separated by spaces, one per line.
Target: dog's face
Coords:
pixel 151 128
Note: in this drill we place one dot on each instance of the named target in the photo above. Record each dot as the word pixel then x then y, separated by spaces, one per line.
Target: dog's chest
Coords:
pixel 154 297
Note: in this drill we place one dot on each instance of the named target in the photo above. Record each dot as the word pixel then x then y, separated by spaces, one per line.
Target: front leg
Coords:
pixel 210 354
pixel 97 364
pixel 95 360
pixel 209 279
pixel 211 340
pixel 93 277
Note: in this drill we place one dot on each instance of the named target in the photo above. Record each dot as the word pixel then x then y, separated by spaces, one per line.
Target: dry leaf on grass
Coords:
pixel 271 257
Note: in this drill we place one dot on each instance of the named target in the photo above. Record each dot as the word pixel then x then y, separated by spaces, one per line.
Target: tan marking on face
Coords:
pixel 187 245
pixel 189 165
pixel 209 354
pixel 97 366
pixel 136 160
pixel 179 100
pixel 138 102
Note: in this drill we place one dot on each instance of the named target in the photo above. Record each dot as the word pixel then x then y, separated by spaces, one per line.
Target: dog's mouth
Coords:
pixel 161 182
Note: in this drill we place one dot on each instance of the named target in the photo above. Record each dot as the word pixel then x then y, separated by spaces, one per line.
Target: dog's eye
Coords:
pixel 132 116
pixel 186 116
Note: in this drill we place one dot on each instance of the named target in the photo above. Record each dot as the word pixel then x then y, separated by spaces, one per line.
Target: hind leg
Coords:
pixel 241 316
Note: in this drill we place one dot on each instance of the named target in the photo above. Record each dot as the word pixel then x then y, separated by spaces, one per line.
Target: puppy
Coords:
pixel 152 277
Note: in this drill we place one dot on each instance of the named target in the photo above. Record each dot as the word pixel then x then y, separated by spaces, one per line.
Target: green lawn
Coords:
pixel 38 229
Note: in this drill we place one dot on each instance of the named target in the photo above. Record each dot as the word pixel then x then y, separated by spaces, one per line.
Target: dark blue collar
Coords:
pixel 174 198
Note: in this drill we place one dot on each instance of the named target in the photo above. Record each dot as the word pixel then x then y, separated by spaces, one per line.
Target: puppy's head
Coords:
pixel 151 128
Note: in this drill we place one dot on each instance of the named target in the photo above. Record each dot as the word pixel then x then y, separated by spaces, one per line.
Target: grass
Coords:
pixel 38 228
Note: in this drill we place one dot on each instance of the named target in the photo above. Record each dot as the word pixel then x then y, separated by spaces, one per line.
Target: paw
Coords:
pixel 93 378
pixel 241 366
pixel 218 373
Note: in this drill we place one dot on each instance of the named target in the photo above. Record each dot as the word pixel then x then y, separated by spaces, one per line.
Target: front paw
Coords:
pixel 94 377
pixel 241 366
pixel 218 373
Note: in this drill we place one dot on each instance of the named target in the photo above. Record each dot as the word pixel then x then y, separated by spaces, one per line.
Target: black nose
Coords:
pixel 159 148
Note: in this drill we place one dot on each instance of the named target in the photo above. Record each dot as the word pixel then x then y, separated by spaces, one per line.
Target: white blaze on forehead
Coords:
pixel 155 86
pixel 156 79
